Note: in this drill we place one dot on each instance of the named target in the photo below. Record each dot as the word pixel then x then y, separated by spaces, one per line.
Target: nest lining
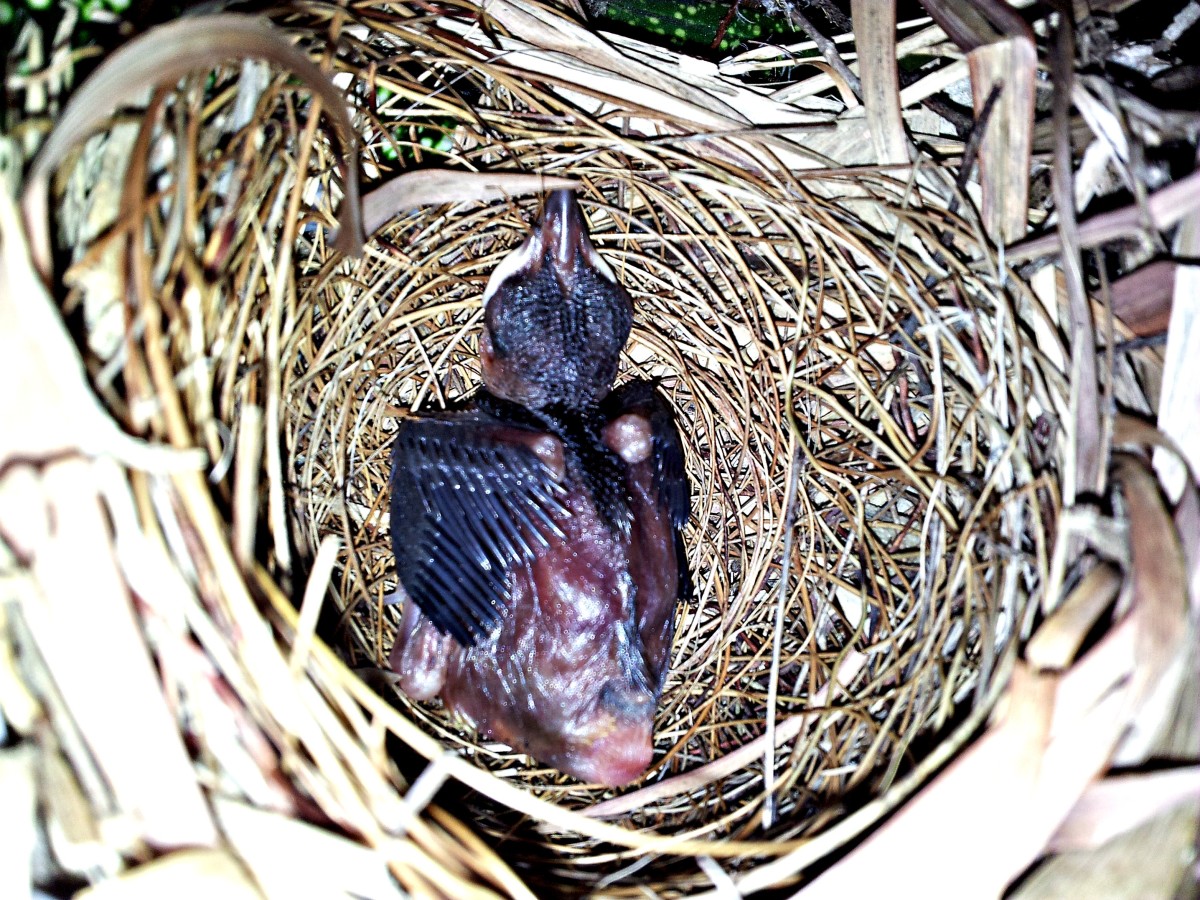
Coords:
pixel 854 409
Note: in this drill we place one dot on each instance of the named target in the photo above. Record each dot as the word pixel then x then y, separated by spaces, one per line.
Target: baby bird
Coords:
pixel 537 525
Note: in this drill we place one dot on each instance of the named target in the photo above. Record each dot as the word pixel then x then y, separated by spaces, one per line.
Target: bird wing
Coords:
pixel 469 500
pixel 670 475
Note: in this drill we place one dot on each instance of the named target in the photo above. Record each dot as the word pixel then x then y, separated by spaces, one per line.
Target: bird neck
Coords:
pixel 591 465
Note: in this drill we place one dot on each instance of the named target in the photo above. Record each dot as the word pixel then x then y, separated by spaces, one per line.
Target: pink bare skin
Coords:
pixel 573 674
pixel 652 564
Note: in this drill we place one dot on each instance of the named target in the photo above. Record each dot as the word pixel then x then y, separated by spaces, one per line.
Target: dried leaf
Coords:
pixel 290 858
pixel 183 875
pixel 71 822
pixel 18 821
pixel 875 40
pixel 1142 299
pixel 967 827
pixel 247 471
pixel 1160 584
pixel 430 187
pixel 688 93
pixel 1129 836
pixel 1002 57
pixel 1059 638
pixel 314 595
pixel 975 25
pixel 1163 209
pixel 85 628
pixel 1115 805
pixel 579 48
pixel 47 407
pixel 1004 156
pixel 1085 471
pixel 1181 369
pixel 19 707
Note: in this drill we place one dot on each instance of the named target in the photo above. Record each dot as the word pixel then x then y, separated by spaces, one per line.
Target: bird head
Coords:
pixel 555 316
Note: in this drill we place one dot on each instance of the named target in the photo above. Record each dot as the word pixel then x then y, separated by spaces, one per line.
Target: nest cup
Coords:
pixel 867 426
pixel 866 536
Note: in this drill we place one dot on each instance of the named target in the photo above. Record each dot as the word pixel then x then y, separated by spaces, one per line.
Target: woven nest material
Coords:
pixel 866 535
pixel 871 432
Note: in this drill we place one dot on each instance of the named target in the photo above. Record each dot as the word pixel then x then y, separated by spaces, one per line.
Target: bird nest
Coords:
pixel 869 431
pixel 867 532
pixel 861 422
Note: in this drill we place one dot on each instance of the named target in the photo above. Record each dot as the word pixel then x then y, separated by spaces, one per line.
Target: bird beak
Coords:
pixel 560 240
pixel 564 234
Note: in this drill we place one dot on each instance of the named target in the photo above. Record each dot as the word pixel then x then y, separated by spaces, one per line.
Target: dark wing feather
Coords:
pixel 469 500
pixel 670 474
